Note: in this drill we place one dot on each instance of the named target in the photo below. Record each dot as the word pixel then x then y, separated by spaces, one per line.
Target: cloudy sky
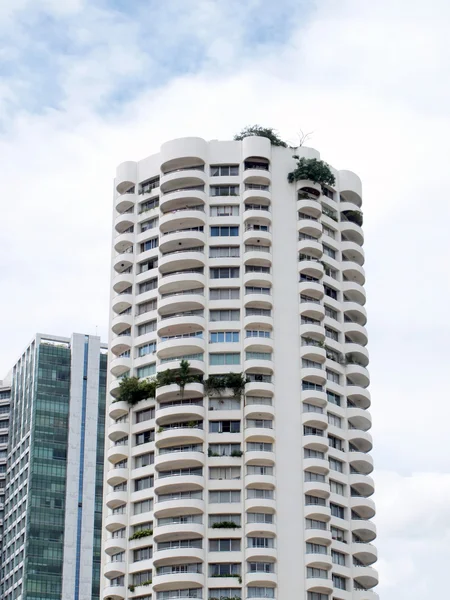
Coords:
pixel 87 84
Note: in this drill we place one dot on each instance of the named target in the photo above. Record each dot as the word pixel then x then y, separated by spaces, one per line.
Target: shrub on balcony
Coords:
pixel 137 535
pixel 217 384
pixel 313 170
pixel 181 376
pixel 211 453
pixel 353 216
pixel 225 525
pixel 267 132
pixel 236 453
pixel 133 390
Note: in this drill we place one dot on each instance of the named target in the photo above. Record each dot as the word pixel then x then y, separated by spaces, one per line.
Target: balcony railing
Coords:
pixel 182 251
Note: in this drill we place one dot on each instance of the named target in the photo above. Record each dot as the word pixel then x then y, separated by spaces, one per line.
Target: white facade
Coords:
pixel 218 259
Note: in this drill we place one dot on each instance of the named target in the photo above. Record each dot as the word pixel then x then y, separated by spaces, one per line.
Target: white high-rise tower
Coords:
pixel 219 260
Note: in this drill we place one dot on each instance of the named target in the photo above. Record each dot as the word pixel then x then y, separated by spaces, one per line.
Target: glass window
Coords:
pixel 224 210
pixel 224 170
pixel 224 293
pixel 224 251
pixel 338 558
pixel 224 273
pixel 224 426
pixel 224 336
pixel 224 190
pixel 229 358
pixel 224 545
pixel 224 315
pixel 224 496
pixel 224 231
pixel 337 511
pixel 149 244
pixel 146 371
pixel 316 548
pixel 337 488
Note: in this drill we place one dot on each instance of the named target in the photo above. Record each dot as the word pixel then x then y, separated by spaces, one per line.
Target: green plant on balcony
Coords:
pixel 211 453
pixel 148 582
pixel 131 587
pixel 225 598
pixel 235 575
pixel 236 453
pixel 225 525
pixel 267 132
pixel 160 429
pixel 181 376
pixel 353 216
pixel 192 424
pixel 137 535
pixel 133 390
pixel 217 384
pixel 312 169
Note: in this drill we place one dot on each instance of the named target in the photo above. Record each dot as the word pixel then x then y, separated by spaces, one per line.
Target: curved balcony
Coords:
pixel 257 258
pixel 320 513
pixel 177 483
pixel 173 392
pixel 365 530
pixel 256 175
pixel 121 302
pixel 197 366
pixel 257 300
pixel 352 232
pixel 350 187
pixel 124 221
pixel 119 366
pixel 123 241
pixel 178 530
pixel 318 536
pixel 314 375
pixel 310 207
pixel 182 177
pixel 115 499
pixel 182 412
pixel 359 418
pixel 319 585
pixel 179 460
pixel 355 312
pixel 312 310
pixel 312 352
pixel 358 374
pixel 186 345
pixel 320 561
pixel 183 218
pixel 120 323
pixel 354 292
pixel 365 507
pixel 260 554
pixel 353 272
pixel 177 555
pixel 361 439
pixel 365 576
pixel 116 476
pixel 120 344
pixel 118 409
pixel 172 241
pixel 258 344
pixel 123 260
pixel 115 592
pixel 361 461
pixel 259 388
pixel 179 323
pixel 310 227
pixel 183 435
pixel 315 442
pixel 182 198
pixel 115 545
pixel 312 268
pixel 181 280
pixel 259 434
pixel 317 397
pixel 259 457
pixel 124 202
pixel 117 431
pixel 254 235
pixel 311 247
pixel 255 322
pixel 117 453
pixel 258 216
pixel 357 332
pixel 258 279
pixel 318 465
pixel 115 522
pixel 260 504
pixel 359 396
pixel 261 579
pixel 185 258
pixel 365 595
pixel 363 484
pixel 177 581
pixel 181 301
pixel 314 419
pixel 114 387
pixel 311 288
pixel 353 252
pixel 366 553
pixel 263 481
pixel 256 197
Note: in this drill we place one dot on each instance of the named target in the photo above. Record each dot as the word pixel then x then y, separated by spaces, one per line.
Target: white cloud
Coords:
pixel 369 80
